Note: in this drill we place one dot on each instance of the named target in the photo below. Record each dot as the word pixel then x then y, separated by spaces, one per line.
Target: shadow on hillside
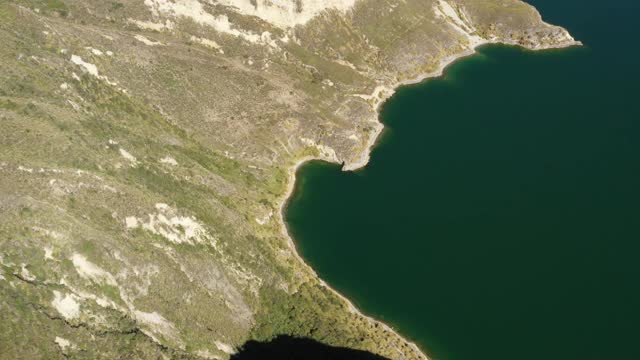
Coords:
pixel 292 348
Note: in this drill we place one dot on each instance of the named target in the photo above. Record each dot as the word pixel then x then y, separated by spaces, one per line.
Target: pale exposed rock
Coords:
pixel 173 227
pixel 265 219
pixel 326 152
pixel 267 39
pixel 380 92
pixel 90 271
pixel 131 222
pixel 287 13
pixel 146 41
pixel 132 159
pixel 444 9
pixel 224 347
pixel 100 300
pixel 63 343
pixel 194 10
pixel 453 16
pixel 25 273
pixel 48 253
pixel 169 161
pixel 109 188
pixel 66 305
pixel 89 68
pixel 208 43
pixel 148 25
pixel 155 322
pixel 74 105
pixel 169 228
pixel 206 354
pixel 95 52
pixel 162 206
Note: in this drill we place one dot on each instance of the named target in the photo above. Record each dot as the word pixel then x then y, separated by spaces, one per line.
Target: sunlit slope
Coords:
pixel 145 152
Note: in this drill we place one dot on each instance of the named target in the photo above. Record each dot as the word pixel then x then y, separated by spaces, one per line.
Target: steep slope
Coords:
pixel 147 147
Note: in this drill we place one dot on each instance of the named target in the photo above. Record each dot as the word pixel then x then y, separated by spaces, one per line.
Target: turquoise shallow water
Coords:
pixel 499 217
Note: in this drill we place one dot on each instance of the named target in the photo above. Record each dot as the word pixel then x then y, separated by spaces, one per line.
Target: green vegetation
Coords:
pixel 115 6
pixel 7 104
pixel 57 6
pixel 164 165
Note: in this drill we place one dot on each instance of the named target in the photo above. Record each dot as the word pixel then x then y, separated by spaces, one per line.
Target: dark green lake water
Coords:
pixel 499 217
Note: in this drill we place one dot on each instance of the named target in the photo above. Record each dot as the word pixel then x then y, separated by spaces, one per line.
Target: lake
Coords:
pixel 499 216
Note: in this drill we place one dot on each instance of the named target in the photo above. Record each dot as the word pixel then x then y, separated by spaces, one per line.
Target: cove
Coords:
pixel 499 216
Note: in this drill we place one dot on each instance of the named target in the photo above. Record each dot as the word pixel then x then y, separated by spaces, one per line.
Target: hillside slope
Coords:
pixel 147 147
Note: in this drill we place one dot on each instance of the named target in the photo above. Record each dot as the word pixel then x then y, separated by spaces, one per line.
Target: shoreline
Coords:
pixel 363 159
pixel 291 182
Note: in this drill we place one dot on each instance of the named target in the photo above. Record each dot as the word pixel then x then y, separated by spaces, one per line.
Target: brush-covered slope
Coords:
pixel 145 151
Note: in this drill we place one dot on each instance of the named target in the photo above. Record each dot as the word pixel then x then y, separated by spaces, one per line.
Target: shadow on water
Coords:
pixel 292 348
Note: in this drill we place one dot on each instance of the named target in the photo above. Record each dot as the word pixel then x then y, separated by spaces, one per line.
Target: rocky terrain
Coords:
pixel 147 147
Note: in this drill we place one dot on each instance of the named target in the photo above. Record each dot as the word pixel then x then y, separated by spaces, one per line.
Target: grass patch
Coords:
pixel 7 104
pixel 57 6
